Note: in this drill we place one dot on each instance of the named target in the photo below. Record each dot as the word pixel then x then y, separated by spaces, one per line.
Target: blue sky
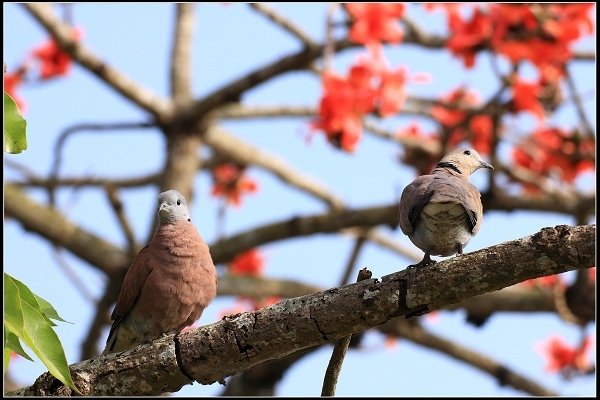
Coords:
pixel 231 40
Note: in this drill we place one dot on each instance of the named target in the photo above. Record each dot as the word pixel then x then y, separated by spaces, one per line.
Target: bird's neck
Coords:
pixel 449 168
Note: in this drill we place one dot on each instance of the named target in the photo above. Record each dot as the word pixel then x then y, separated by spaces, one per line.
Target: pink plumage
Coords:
pixel 170 283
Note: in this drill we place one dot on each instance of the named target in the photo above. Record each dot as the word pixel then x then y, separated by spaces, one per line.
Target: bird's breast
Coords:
pixel 440 228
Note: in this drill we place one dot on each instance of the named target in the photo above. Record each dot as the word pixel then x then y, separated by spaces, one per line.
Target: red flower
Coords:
pixel 561 357
pixel 342 106
pixel 539 33
pixel 554 152
pixel 480 126
pixel 370 84
pixel 230 183
pixel 526 97
pixel 392 91
pixel 468 37
pixel 53 61
pixel 250 263
pixel 11 82
pixel 376 22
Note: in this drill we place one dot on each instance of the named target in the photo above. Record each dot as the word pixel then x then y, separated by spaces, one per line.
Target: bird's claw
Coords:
pixel 422 263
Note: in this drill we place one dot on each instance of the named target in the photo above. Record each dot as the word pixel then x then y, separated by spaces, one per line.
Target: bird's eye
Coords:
pixel 467 152
pixel 178 202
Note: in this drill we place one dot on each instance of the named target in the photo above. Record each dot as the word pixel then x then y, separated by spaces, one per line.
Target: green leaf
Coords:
pixel 15 138
pixel 43 341
pixel 48 310
pixel 13 314
pixel 11 344
pixel 23 317
pixel 28 297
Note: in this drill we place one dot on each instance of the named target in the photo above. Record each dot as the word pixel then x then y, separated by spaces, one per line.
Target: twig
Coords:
pixel 414 34
pixel 62 33
pixel 71 274
pixel 377 237
pixel 414 332
pixel 246 154
pixel 358 245
pixel 562 308
pixel 82 182
pixel 181 55
pixel 34 180
pixel 283 22
pixel 584 55
pixel 62 138
pixel 117 206
pixel 238 111
pixel 329 51
pixel 23 169
pixel 583 119
pixel 89 347
pixel 339 350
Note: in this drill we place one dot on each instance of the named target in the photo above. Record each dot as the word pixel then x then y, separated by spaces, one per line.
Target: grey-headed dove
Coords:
pixel 440 212
pixel 169 284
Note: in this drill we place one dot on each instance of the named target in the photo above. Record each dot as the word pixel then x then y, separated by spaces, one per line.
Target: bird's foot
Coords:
pixel 422 263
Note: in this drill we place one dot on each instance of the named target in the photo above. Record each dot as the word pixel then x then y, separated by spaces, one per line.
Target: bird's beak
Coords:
pixel 162 209
pixel 485 165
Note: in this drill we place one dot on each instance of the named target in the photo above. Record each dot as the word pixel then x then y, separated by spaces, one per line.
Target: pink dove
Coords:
pixel 170 283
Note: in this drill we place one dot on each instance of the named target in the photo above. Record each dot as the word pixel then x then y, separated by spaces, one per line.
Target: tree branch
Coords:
pixel 231 92
pixel 62 33
pixel 246 154
pixel 60 231
pixel 283 22
pixel 230 346
pixel 54 226
pixel 504 375
pixel 341 347
pixel 181 55
pixel 583 119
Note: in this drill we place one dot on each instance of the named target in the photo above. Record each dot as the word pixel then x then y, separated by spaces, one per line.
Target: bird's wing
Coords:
pixel 452 189
pixel 133 283
pixel 414 197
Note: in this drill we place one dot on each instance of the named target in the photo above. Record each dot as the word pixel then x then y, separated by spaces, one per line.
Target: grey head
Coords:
pixel 465 161
pixel 172 207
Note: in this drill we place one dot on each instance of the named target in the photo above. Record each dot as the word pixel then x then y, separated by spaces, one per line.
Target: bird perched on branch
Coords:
pixel 169 284
pixel 440 212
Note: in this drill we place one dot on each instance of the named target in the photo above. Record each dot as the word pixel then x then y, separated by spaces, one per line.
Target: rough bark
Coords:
pixel 213 352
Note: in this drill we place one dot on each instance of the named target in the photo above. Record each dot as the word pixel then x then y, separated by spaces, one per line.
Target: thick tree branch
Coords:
pixel 34 217
pixel 224 250
pixel 300 226
pixel 57 229
pixel 216 351
pixel 181 54
pixel 62 33
pixel 232 92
